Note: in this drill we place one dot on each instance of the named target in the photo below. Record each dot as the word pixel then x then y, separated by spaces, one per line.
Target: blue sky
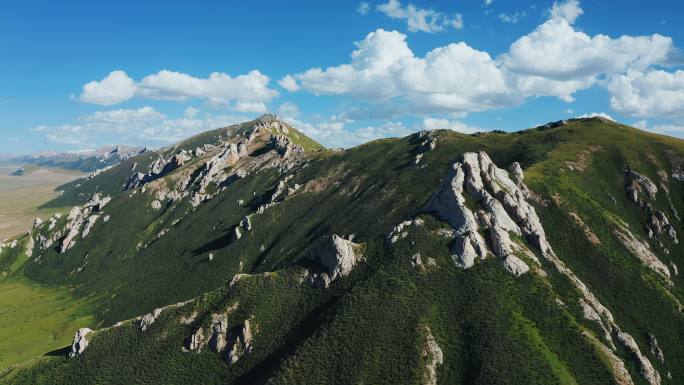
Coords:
pixel 79 74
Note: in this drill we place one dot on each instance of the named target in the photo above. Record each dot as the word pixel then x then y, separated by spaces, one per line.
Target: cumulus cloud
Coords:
pixel 289 83
pixel 288 110
pixel 115 88
pixel 363 8
pixel 419 19
pixel 555 59
pixel 653 93
pixel 454 78
pixel 567 10
pixel 446 124
pixel 218 88
pixel 596 115
pixel 134 125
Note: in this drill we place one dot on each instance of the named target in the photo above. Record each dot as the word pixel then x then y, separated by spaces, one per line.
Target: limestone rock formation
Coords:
pixel 145 321
pixel 337 255
pixel 432 354
pixel 80 342
pixel 239 341
pixel 504 211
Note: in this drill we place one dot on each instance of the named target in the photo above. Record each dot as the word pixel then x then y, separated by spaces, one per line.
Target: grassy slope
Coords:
pixel 493 328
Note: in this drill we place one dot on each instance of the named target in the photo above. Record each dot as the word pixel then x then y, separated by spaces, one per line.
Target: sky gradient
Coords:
pixel 76 75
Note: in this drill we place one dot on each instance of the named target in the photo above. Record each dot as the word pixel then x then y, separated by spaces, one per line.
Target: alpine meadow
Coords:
pixel 387 223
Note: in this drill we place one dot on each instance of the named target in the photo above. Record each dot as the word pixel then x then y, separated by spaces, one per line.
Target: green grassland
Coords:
pixel 366 328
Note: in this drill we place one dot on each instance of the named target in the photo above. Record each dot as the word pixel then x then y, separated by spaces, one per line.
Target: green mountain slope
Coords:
pixel 250 254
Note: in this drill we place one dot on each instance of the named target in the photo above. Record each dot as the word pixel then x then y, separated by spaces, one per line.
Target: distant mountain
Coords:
pixel 251 254
pixel 86 161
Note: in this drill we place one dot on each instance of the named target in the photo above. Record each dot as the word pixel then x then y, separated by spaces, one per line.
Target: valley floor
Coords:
pixel 51 316
pixel 20 196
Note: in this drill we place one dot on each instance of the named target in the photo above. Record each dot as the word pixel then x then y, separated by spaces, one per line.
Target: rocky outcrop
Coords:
pixel 426 142
pixel 642 251
pixel 336 255
pixel 432 356
pixel 638 186
pixel 196 340
pixel 400 231
pixel 647 370
pixel 655 348
pixel 144 322
pixel 239 342
pixel 80 342
pixel 158 169
pixel 502 209
pixel 79 218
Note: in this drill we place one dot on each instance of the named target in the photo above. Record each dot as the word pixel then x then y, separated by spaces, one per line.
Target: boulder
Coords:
pixel 336 254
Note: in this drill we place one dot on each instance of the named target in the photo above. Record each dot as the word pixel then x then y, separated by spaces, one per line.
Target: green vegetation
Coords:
pixel 367 328
pixel 35 320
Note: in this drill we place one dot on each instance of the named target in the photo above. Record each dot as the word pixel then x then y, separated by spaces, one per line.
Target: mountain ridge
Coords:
pixel 549 254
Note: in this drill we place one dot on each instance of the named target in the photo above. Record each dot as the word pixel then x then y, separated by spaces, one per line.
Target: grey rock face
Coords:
pixel 80 342
pixel 336 255
pixel 148 319
pixel 503 210
pixel 240 342
pixel 433 356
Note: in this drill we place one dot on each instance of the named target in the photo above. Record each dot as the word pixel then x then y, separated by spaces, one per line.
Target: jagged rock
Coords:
pixel 219 330
pixel 504 210
pixel 156 205
pixel 398 232
pixel 517 173
pixel 246 223
pixel 647 370
pixel 674 268
pixel 316 280
pixel 432 354
pixel 80 342
pixel 89 225
pixel 196 340
pixel 240 342
pixel 636 184
pixel 148 319
pixel 37 222
pixel 642 251
pixel 655 348
pixel 337 255
pixel 236 234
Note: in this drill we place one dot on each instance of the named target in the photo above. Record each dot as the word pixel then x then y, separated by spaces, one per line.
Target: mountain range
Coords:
pixel 251 254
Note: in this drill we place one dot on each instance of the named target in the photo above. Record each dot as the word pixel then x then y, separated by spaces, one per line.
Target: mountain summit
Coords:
pixel 253 255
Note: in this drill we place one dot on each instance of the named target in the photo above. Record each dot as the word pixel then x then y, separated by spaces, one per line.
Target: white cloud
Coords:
pixel 134 125
pixel 191 112
pixel 453 78
pixel 666 129
pixel 595 115
pixel 115 88
pixel 555 59
pixel 487 3
pixel 218 88
pixel 257 107
pixel 446 124
pixel 288 110
pixel 419 19
pixel 513 17
pixel 289 83
pixel 568 10
pixel 363 8
pixel 653 93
